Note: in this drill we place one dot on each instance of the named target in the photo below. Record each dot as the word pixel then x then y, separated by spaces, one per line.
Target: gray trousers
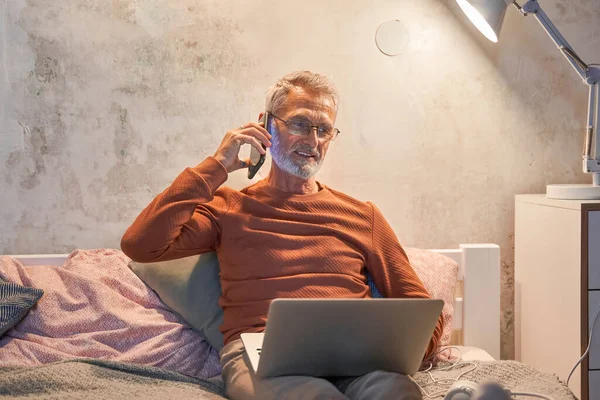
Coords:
pixel 241 383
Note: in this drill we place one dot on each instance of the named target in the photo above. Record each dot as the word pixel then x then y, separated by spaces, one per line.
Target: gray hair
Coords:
pixel 309 81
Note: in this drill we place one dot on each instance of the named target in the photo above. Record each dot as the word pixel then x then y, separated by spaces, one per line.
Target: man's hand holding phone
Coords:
pixel 251 133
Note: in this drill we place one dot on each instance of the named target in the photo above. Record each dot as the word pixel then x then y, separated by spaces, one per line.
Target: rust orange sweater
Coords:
pixel 273 244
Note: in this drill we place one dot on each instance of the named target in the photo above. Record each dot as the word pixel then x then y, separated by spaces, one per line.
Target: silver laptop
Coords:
pixel 342 337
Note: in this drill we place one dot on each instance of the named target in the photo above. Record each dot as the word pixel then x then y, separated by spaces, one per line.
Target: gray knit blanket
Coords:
pixel 92 379
pixel 514 375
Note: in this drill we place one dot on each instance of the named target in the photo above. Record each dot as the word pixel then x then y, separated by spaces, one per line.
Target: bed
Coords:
pixel 475 339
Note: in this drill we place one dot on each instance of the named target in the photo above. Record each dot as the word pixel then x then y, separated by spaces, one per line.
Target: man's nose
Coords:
pixel 313 137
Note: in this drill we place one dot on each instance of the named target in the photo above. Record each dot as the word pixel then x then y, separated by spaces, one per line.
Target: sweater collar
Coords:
pixel 263 187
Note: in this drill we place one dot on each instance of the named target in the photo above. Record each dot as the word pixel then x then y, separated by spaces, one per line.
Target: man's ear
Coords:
pixel 260 115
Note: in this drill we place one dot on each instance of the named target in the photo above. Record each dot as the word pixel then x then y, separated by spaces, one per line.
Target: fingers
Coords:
pixel 260 136
pixel 253 134
pixel 243 163
pixel 258 132
pixel 260 126
pixel 252 141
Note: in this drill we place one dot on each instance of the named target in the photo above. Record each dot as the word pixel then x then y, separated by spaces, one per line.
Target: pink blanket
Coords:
pixel 95 306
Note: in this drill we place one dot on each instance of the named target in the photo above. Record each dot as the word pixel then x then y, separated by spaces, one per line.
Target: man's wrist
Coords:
pixel 220 161
pixel 212 171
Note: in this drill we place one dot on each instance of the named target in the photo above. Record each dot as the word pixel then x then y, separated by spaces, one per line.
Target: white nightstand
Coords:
pixel 557 287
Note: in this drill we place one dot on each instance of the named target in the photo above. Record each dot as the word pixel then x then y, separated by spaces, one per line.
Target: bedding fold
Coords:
pixel 94 306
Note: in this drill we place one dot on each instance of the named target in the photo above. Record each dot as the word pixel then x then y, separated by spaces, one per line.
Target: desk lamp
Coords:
pixel 487 16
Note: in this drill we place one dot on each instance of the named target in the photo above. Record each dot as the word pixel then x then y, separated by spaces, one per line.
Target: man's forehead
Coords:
pixel 299 100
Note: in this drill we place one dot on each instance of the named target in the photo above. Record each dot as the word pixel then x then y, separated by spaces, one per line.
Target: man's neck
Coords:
pixel 285 182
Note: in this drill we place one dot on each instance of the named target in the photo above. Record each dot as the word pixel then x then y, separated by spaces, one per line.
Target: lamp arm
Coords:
pixel 533 7
pixel 590 74
pixel 591 152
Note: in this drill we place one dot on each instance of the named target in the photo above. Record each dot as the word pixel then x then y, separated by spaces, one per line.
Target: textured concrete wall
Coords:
pixel 103 103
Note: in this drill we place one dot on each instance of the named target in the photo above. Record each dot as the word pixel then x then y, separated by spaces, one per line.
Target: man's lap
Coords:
pixel 241 383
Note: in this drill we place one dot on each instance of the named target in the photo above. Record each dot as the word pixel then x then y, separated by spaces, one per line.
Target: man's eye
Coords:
pixel 299 124
pixel 325 130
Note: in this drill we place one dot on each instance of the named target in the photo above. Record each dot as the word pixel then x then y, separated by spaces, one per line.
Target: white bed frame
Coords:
pixel 477 302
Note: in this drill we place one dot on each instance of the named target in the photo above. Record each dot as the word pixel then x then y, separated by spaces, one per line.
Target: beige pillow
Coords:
pixel 189 286
pixel 439 274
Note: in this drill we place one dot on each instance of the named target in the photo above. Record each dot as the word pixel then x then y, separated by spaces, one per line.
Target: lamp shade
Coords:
pixel 486 15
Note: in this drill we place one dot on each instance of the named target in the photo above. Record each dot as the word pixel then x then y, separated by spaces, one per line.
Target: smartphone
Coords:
pixel 257 159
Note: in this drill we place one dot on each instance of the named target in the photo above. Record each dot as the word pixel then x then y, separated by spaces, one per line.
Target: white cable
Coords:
pixel 538 395
pixel 444 381
pixel 588 346
pixel 434 381
pixel 431 357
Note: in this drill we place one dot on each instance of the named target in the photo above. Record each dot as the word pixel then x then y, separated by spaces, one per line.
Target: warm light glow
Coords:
pixel 478 20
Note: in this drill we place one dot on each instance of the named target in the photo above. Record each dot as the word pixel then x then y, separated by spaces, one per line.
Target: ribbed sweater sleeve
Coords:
pixel 392 273
pixel 182 220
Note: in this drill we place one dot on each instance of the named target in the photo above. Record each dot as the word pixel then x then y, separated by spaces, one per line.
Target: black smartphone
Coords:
pixel 257 159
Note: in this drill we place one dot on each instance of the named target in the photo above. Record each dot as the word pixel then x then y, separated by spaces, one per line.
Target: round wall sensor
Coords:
pixel 392 37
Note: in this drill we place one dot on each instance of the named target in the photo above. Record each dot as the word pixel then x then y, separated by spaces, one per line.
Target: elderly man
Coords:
pixel 286 236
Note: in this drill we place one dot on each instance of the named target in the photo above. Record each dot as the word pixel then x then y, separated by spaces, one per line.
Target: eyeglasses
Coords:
pixel 300 126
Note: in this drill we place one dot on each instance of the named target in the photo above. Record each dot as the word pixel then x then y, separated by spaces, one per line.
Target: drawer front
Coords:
pixel 593 306
pixel 594 250
pixel 594 385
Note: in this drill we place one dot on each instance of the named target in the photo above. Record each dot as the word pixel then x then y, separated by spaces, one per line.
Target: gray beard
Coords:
pixel 299 168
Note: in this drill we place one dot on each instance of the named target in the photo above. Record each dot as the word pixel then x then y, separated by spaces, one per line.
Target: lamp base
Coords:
pixel 573 192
